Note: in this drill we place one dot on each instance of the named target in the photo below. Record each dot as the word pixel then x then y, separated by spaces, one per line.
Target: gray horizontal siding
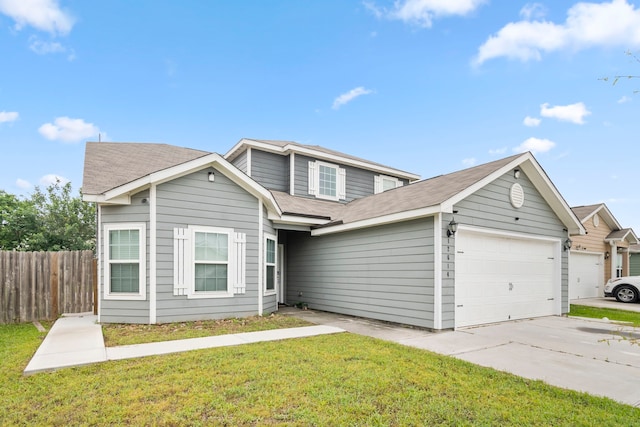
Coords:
pixel 383 273
pixel 491 208
pixel 270 170
pixel 119 311
pixel 634 265
pixel 193 200
pixel 241 161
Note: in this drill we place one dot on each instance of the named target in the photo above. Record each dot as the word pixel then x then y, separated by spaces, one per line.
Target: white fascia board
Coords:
pixel 290 148
pixel 186 168
pixel 101 199
pixel 296 220
pixel 382 220
pixel 608 217
pixel 629 235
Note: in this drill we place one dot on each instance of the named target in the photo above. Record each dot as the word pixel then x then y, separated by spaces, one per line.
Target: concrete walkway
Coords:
pixel 76 340
pixel 607 303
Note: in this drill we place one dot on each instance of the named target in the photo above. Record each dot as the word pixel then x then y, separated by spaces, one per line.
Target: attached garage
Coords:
pixel 503 277
pixel 586 272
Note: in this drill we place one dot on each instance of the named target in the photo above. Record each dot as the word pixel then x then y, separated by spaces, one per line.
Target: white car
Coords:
pixel 624 289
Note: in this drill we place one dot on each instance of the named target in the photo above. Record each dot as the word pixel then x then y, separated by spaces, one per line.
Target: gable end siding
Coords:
pixel 270 170
pixel 383 273
pixel 241 161
pixel 122 311
pixel 490 208
pixel 194 201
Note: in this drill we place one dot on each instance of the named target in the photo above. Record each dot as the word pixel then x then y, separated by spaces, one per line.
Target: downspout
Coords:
pixel 99 248
pixel 260 256
pixel 152 255
pixel 437 271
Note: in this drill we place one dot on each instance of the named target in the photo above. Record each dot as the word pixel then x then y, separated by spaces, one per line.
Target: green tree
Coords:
pixel 18 220
pixel 50 220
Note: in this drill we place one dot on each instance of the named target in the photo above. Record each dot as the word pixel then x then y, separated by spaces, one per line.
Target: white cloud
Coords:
pixel 624 99
pixel 44 15
pixel 49 179
pixel 533 10
pixel 66 129
pixel 531 121
pixel 471 161
pixel 8 116
pixel 535 145
pixel 498 151
pixel 423 12
pixel 587 25
pixel 23 184
pixel 574 113
pixel 350 96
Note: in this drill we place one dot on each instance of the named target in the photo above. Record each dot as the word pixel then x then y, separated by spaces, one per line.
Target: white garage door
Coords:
pixel 503 278
pixel 585 275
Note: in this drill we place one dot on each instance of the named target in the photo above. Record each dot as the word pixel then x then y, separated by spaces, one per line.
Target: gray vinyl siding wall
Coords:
pixel 270 170
pixel 359 182
pixel 269 302
pixel 383 273
pixel 241 161
pixel 490 208
pixel 193 200
pixel 123 311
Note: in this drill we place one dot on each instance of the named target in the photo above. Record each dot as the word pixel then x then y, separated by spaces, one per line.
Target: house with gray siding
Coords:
pixel 186 234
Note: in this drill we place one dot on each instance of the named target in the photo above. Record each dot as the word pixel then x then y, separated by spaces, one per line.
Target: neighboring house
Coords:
pixel 600 254
pixel 185 234
pixel 634 260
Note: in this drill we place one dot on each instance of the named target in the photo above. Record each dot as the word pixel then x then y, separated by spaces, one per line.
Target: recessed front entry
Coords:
pixel 501 278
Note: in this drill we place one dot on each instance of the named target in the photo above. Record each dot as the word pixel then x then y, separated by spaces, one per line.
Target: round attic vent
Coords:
pixel 596 220
pixel 516 195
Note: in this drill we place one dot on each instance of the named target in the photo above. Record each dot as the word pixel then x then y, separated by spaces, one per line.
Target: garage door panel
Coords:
pixel 585 275
pixel 501 278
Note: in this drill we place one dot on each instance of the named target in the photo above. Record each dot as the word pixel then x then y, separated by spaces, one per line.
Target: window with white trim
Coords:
pixel 327 181
pixel 383 183
pixel 209 262
pixel 125 261
pixel 270 264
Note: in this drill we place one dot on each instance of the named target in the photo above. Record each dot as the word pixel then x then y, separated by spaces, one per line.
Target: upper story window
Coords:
pixel 384 183
pixel 125 266
pixel 327 181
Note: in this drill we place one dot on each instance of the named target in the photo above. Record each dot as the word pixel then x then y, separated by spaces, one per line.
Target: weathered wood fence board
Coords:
pixel 43 285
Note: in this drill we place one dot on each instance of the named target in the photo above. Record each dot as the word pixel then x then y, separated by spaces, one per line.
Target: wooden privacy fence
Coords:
pixel 43 285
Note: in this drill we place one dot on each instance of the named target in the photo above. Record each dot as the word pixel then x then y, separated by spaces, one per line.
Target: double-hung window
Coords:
pixel 125 261
pixel 327 181
pixel 383 183
pixel 211 262
pixel 270 264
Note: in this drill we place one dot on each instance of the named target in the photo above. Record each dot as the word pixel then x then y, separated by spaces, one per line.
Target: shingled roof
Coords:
pixel 108 165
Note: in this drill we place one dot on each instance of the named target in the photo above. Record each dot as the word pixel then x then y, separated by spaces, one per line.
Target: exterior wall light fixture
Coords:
pixel 452 228
pixel 567 244
pixel 516 173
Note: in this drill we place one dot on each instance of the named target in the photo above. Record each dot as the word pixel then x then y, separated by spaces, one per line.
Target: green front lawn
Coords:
pixel 335 380
pixel 614 314
pixel 124 334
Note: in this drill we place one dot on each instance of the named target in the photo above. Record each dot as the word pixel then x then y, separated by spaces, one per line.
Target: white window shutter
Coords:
pixel 240 255
pixel 181 255
pixel 377 184
pixel 342 184
pixel 313 186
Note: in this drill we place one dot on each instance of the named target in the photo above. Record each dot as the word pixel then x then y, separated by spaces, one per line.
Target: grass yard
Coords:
pixel 631 317
pixel 122 334
pixel 329 380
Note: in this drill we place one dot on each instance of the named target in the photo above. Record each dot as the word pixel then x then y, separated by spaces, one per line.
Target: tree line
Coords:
pixel 52 219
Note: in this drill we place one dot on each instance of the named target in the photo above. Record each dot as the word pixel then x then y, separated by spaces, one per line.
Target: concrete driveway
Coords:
pixel 578 354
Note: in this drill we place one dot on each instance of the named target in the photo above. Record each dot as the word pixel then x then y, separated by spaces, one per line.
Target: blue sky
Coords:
pixel 427 86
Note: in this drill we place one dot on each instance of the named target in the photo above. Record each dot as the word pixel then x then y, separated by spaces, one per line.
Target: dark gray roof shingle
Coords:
pixel 108 165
